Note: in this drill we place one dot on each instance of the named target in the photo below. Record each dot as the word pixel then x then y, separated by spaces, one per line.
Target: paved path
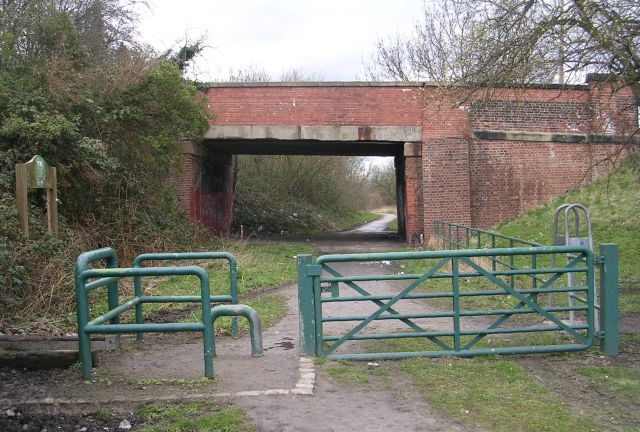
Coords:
pixel 377 226
pixel 334 407
pixel 280 391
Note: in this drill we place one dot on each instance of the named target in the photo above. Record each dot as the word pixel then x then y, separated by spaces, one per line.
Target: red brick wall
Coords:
pixel 446 188
pixel 613 112
pixel 210 208
pixel 187 180
pixel 532 116
pixel 510 177
pixel 414 208
pixel 446 134
pixel 309 106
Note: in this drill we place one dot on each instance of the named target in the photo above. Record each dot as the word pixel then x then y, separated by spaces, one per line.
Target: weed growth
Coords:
pixel 194 416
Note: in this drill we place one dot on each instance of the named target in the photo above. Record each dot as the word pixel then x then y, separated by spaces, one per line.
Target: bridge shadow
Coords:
pixel 343 242
pixel 369 237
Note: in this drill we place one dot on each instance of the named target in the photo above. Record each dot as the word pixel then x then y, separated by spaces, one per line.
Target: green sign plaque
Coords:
pixel 36 174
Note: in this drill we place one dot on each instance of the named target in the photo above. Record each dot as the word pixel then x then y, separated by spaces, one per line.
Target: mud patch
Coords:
pixel 560 374
pixel 26 419
pixel 37 384
pixel 171 315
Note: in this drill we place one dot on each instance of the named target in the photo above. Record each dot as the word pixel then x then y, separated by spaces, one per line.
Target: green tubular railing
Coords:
pixel 255 325
pixel 456 236
pixel 454 266
pixel 88 279
pixel 232 298
pixel 443 231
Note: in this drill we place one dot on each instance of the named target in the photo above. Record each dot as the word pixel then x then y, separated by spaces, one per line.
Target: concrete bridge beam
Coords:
pixel 315 133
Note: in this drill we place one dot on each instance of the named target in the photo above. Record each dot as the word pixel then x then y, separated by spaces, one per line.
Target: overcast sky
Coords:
pixel 326 38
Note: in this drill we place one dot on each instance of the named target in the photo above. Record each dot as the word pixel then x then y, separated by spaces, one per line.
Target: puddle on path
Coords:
pixel 285 344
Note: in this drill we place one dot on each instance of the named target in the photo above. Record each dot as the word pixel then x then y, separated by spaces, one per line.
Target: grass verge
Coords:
pixel 392 226
pixel 348 374
pixel 260 268
pixel 492 393
pixel 614 203
pixel 620 379
pixel 487 392
pixel 194 416
pixel 356 375
pixel 489 341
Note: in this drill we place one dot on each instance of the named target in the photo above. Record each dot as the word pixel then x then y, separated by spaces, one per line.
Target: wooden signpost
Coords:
pixel 37 174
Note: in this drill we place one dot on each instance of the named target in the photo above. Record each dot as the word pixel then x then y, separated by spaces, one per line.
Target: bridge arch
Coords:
pixel 222 142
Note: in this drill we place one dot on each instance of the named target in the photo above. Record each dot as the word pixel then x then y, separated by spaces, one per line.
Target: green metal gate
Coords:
pixel 458 303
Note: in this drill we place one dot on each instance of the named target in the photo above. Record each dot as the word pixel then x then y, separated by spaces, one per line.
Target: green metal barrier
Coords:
pixel 232 298
pixel 255 325
pixel 607 326
pixel 457 236
pixel 458 269
pixel 88 279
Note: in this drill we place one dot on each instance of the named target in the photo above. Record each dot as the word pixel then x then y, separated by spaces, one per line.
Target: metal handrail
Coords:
pixel 86 327
pixel 88 279
pixel 233 279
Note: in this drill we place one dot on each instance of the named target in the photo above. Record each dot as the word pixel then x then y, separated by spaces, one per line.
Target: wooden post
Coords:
pixel 37 174
pixel 52 203
pixel 21 198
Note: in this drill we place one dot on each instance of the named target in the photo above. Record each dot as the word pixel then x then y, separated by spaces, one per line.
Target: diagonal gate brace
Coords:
pixel 386 306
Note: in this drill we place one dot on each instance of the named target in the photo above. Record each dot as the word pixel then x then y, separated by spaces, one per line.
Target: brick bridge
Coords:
pixel 477 162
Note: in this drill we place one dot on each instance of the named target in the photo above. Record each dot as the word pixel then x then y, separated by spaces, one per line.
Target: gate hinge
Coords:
pixel 598 259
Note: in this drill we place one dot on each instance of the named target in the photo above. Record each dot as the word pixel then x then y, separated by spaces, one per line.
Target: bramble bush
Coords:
pixel 76 88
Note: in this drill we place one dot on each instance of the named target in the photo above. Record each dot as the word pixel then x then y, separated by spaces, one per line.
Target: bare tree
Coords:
pixel 253 73
pixel 299 75
pixel 496 42
pixel 250 74
pixel 383 182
